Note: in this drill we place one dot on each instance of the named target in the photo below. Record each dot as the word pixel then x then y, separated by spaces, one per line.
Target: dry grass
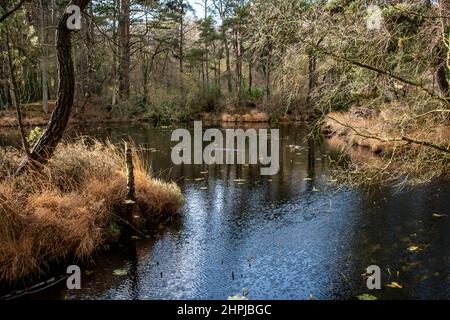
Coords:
pixel 390 161
pixel 68 208
pixel 253 116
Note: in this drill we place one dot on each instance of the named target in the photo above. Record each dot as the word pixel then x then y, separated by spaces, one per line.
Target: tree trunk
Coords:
pixel 124 29
pixel 250 78
pixel 205 3
pixel 237 48
pixel 227 62
pixel 311 76
pixel 15 96
pixel 443 54
pixel 266 70
pixel 116 52
pixel 44 57
pixel 181 53
pixel 46 144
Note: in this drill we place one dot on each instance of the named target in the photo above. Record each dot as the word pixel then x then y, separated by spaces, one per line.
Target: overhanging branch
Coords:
pixel 11 11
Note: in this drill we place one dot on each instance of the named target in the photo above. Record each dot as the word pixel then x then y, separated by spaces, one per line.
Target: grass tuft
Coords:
pixel 67 209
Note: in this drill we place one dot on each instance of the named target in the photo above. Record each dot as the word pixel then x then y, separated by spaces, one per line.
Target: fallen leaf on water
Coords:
pixel 120 272
pixel 307 179
pixel 237 297
pixel 314 189
pixel 436 215
pixel 199 179
pixel 204 188
pixel 394 285
pixel 366 296
pixel 413 249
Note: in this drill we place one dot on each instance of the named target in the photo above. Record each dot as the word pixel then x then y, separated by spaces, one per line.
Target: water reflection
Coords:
pixel 287 236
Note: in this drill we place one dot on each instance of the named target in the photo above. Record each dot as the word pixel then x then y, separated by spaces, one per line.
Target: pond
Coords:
pixel 289 236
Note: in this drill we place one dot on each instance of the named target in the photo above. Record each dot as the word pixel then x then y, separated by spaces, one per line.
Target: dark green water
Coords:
pixel 290 236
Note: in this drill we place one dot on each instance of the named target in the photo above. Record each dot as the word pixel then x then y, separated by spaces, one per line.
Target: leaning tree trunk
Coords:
pixel 46 145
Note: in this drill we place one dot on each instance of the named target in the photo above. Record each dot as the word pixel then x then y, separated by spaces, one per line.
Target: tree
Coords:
pixel 125 45
pixel 46 144
pixel 44 58
pixel 222 7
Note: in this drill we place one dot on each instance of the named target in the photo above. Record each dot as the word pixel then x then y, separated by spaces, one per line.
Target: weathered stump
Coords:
pixel 132 214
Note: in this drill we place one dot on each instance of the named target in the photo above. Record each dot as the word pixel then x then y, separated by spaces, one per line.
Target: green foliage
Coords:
pixel 256 93
pixel 34 135
pixel 366 296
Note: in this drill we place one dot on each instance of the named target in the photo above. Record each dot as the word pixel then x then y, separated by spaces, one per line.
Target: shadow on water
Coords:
pixel 288 236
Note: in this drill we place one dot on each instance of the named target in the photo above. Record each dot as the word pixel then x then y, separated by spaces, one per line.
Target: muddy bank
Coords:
pixel 253 116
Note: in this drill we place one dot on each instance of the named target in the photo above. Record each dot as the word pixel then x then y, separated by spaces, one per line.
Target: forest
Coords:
pixel 370 79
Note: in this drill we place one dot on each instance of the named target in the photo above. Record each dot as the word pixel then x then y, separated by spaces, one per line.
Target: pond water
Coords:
pixel 288 236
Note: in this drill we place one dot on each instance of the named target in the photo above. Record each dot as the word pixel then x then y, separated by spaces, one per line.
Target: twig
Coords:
pixel 395 139
pixel 10 12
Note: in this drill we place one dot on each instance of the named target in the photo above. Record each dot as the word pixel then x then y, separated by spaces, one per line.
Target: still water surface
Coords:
pixel 289 236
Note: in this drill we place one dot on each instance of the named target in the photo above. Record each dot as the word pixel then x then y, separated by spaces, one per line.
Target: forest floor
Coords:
pixel 73 207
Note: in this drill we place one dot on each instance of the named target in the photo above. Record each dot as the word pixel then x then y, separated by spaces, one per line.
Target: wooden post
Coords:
pixel 131 194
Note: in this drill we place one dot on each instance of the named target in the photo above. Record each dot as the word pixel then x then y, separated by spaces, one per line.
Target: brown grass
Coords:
pixel 253 116
pixel 67 210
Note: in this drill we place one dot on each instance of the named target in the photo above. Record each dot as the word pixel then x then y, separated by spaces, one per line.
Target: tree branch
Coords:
pixel 10 12
pixel 392 139
pixel 380 71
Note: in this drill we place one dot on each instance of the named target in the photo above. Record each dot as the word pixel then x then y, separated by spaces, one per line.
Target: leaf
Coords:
pixel 237 297
pixel 413 249
pixel 366 296
pixel 394 285
pixel 89 272
pixel 436 215
pixel 120 272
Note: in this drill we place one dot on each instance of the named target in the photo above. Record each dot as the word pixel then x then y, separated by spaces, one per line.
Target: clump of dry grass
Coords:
pixel 391 158
pixel 67 208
